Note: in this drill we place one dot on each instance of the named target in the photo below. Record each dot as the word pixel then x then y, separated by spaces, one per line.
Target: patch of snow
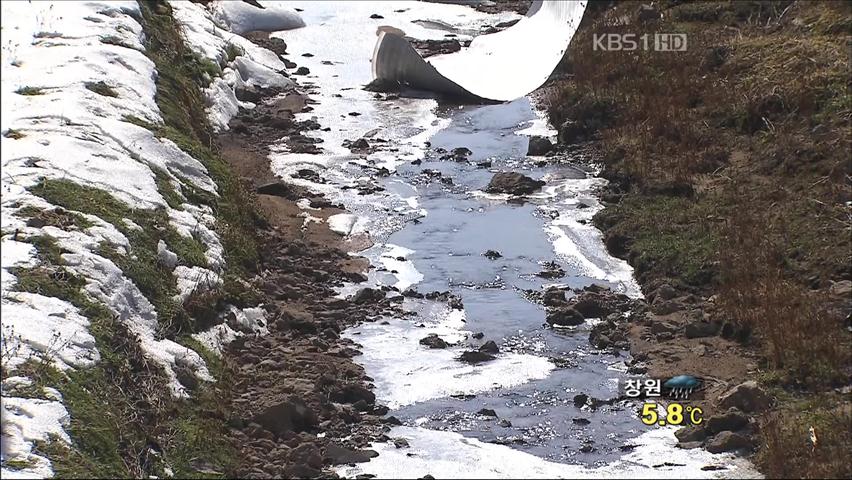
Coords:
pixel 342 223
pixel 70 132
pixel 240 322
pixel 35 326
pixel 212 32
pixel 241 17
pixel 451 455
pixel 194 279
pixel 407 275
pixel 25 421
pixel 405 372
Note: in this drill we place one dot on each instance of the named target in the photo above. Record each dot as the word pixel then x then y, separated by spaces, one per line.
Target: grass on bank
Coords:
pixel 124 422
pixel 733 161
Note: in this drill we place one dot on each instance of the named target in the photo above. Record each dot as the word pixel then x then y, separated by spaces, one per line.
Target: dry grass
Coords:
pixel 749 134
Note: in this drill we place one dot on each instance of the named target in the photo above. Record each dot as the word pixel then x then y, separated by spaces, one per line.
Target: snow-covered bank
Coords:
pixel 79 117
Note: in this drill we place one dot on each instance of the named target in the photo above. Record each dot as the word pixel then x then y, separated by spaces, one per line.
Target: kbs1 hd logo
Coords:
pixel 661 412
pixel 628 42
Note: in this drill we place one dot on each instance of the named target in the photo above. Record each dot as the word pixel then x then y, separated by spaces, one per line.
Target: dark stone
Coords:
pixel 376 16
pixel 581 421
pixel 539 146
pixel 427 48
pixel 571 132
pixel 302 71
pixel 458 154
pixel 392 420
pixel 476 357
pixel 553 297
pixel 487 412
pixel 580 400
pixel 400 443
pixel 478 335
pixel 368 295
pixel 747 396
pixel 617 245
pixel 690 445
pixel 489 347
pixel 290 415
pixel 360 144
pixel 701 329
pixel 411 293
pixel 433 341
pixel 338 455
pixel 728 441
pixel 492 254
pixel 278 189
pixel 352 393
pixel 731 420
pixel 592 305
pixel 693 433
pixel 513 183
pixel 564 316
pixel 648 13
pixel 551 271
pixel 383 85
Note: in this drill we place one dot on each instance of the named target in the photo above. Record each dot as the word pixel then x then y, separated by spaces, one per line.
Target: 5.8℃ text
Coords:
pixel 676 414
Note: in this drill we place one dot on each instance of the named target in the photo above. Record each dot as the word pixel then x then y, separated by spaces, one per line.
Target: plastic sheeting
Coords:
pixel 502 66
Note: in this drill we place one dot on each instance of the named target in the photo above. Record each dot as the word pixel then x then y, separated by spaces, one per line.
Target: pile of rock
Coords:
pixel 732 430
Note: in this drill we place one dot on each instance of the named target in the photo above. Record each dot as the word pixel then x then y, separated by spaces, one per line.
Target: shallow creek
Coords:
pixel 429 233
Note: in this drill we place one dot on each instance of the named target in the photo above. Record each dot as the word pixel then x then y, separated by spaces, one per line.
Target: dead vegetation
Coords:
pixel 731 172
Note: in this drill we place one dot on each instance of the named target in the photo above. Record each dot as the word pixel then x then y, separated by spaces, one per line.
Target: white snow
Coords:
pixel 212 32
pixel 407 275
pixel 60 53
pixel 242 17
pixel 26 420
pixel 35 326
pixel 450 455
pixel 405 372
pixel 522 56
pixel 342 223
pixel 240 322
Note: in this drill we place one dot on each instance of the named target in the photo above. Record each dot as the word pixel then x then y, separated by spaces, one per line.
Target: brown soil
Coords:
pixel 300 379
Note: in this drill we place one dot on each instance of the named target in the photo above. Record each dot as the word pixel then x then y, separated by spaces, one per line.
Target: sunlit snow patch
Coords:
pixel 450 455
pixel 405 372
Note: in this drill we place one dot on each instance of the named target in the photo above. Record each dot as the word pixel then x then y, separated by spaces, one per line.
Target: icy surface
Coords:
pixel 450 455
pixel 242 17
pixel 405 372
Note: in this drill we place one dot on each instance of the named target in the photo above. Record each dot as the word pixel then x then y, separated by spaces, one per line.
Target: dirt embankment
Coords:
pixel 730 188
pixel 300 403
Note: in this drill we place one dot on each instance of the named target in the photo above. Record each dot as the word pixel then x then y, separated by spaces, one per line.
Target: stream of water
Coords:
pixel 430 233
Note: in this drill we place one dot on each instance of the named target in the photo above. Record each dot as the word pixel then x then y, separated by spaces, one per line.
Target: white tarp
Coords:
pixel 502 66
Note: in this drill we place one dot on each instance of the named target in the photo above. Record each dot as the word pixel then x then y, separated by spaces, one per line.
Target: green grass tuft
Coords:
pixel 30 91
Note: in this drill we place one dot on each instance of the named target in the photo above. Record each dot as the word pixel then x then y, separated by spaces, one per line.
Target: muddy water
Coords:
pixel 429 233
